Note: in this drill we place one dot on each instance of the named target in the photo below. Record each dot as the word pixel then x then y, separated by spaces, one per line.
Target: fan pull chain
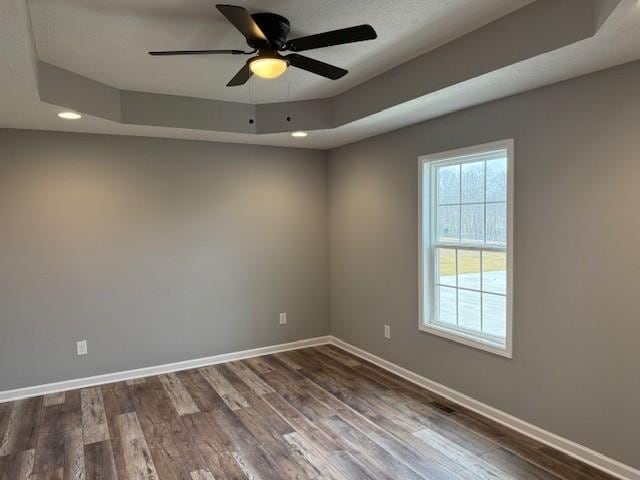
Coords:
pixel 288 96
pixel 251 100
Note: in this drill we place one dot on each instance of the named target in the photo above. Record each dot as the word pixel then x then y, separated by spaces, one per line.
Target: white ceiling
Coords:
pixel 108 41
pixel 20 106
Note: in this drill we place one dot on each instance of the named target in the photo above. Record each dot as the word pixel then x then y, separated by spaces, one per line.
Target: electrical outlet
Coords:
pixel 283 319
pixel 387 331
pixel 81 347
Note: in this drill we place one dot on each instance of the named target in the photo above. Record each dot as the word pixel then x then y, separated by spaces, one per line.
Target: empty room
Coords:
pixel 302 239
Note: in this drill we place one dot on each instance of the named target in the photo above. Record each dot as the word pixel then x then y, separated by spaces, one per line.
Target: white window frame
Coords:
pixel 426 195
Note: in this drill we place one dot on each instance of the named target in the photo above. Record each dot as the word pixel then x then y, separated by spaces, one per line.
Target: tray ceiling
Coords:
pixel 547 41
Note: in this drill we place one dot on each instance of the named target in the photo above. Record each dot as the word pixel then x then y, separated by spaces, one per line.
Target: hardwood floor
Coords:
pixel 316 413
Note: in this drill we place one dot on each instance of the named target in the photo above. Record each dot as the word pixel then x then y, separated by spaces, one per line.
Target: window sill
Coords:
pixel 468 340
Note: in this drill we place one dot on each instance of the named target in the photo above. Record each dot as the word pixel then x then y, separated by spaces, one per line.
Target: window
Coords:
pixel 466 258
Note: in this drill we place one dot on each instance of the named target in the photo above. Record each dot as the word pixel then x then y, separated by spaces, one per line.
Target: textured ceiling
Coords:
pixel 108 40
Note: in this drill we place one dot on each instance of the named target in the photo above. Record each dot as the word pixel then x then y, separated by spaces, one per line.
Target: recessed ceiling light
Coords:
pixel 70 115
pixel 299 134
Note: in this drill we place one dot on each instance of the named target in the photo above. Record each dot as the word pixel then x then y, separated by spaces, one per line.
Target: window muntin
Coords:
pixel 465 247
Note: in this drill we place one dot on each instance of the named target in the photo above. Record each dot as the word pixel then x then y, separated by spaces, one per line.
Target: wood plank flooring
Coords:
pixel 316 413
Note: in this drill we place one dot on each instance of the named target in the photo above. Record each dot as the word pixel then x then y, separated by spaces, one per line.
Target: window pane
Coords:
pixel 473 182
pixel 494 272
pixel 449 184
pixel 446 263
pixel 469 310
pixel 494 315
pixel 449 223
pixel 472 223
pixel 497 223
pixel 497 180
pixel 469 269
pixel 446 304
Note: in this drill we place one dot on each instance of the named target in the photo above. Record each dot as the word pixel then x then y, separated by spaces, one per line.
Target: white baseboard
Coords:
pixel 580 452
pixel 20 393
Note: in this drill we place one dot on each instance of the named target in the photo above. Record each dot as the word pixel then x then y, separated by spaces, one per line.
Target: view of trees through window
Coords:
pixel 472 200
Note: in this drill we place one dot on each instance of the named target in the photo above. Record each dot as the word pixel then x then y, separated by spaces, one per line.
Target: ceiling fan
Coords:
pixel 266 34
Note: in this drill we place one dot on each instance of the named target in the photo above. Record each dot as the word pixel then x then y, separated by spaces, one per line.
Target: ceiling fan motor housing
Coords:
pixel 275 27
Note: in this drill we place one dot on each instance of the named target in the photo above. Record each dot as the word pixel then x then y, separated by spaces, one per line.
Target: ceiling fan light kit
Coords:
pixel 266 34
pixel 267 65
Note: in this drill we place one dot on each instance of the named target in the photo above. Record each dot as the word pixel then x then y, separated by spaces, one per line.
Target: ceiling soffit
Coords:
pixel 538 28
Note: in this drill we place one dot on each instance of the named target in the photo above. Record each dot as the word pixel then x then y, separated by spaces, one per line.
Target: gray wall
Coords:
pixel 154 251
pixel 576 368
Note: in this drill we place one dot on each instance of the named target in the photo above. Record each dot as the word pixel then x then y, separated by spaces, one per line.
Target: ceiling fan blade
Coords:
pixel 198 52
pixel 241 19
pixel 316 66
pixel 242 77
pixel 335 37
